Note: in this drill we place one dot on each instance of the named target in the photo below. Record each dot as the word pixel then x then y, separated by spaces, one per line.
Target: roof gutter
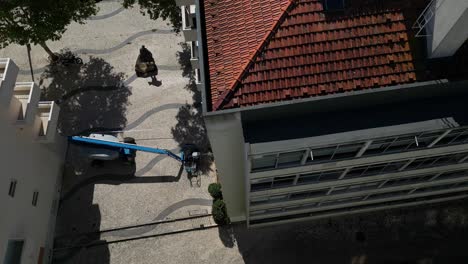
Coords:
pixel 328 97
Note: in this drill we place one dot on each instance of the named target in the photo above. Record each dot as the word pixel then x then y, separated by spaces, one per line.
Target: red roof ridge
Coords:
pixel 225 96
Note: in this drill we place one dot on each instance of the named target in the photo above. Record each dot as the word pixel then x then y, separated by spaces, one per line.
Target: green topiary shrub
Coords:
pixel 219 212
pixel 215 191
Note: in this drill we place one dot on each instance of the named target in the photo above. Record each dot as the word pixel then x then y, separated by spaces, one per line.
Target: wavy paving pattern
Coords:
pixel 151 112
pixel 111 14
pixel 153 163
pixel 125 42
pixel 162 215
pixel 128 81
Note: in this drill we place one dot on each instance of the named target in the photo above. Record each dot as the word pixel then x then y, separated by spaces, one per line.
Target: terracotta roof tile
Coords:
pixel 262 51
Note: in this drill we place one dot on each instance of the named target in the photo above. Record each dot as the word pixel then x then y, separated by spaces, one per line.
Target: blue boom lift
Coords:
pixel 110 148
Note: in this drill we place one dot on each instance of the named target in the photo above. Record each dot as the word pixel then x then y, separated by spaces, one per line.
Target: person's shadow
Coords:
pixel 155 81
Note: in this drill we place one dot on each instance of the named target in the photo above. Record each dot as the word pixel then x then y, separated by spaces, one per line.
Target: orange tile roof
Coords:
pixel 267 51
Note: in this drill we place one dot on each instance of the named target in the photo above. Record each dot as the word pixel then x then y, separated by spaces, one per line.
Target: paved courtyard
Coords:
pixel 105 95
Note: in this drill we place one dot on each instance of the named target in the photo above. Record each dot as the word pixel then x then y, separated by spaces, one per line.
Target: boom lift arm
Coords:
pixel 188 157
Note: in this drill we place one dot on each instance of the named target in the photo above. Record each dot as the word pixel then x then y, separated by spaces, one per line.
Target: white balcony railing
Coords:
pixel 27 93
pixel 46 121
pixel 8 74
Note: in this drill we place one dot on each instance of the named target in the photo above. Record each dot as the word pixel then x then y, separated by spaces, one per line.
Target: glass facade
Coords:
pixel 378 146
pixel 292 202
pixel 376 204
pixel 355 172
pixel 381 189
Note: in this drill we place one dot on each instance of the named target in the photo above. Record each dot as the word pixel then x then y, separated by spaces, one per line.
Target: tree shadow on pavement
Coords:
pixel 429 234
pixel 90 95
pixel 190 127
pixel 183 57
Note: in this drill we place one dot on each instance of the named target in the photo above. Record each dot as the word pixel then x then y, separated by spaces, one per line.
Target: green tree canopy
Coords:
pixel 36 21
pixel 165 9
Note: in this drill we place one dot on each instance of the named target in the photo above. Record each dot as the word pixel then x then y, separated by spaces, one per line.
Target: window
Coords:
pixel 425 139
pixel 319 177
pixel 356 187
pixel 347 151
pixel 266 162
pixel 435 161
pixel 277 198
pixel 290 158
pixel 13 252
pixel 387 194
pixel 342 201
pixel 12 189
pixel 322 154
pixel 452 174
pixel 309 178
pixel 401 144
pixel 34 199
pixel 300 195
pixel 457 136
pixel 374 169
pixel 262 184
pixel 308 194
pixel 283 181
pixel 394 166
pixel 331 175
pixel 356 172
pixel 259 212
pixel 274 210
pixel 434 188
pixel 258 200
pixel 378 146
pixel 410 180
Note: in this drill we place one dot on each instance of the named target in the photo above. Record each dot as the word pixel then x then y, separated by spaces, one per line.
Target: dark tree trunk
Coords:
pixel 52 55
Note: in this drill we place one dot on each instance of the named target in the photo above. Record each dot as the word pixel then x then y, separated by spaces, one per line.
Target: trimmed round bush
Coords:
pixel 219 212
pixel 215 191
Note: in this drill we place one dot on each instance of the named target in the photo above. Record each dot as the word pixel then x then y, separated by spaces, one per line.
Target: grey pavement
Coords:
pixel 116 195
pixel 112 196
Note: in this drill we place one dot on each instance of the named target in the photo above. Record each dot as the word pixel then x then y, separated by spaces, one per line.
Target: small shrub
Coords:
pixel 219 212
pixel 215 191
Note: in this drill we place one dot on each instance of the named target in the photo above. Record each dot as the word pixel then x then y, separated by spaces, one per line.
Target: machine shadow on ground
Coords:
pixel 91 95
pixel 190 127
pixel 430 234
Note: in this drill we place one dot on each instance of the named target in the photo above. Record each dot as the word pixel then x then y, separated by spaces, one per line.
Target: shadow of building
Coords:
pixel 78 221
pixel 430 234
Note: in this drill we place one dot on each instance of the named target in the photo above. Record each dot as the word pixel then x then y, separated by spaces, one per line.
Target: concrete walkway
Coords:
pixel 109 44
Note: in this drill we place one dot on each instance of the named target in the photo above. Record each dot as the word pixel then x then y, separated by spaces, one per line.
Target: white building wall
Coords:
pixel 36 165
pixel 227 142
pixel 448 29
